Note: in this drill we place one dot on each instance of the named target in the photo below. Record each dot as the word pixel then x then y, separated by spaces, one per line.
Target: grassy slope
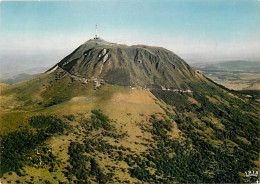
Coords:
pixel 126 106
pixel 130 112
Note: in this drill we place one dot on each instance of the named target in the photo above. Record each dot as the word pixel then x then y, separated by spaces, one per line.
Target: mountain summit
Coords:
pixel 137 65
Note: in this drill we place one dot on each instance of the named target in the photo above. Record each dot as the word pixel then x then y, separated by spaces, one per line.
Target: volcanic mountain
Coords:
pixel 138 65
pixel 126 114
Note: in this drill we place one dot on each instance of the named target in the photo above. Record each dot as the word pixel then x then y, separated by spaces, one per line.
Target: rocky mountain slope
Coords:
pixel 137 65
pixel 126 114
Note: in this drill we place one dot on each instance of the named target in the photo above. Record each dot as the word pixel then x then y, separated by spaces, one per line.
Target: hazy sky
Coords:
pixel 196 30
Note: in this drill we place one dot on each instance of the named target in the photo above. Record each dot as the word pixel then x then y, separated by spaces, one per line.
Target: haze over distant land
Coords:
pixel 237 75
pixel 198 31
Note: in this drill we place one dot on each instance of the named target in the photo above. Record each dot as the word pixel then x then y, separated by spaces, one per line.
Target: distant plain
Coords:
pixel 236 75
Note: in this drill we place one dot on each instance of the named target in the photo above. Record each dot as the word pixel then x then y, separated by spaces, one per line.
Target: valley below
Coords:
pixel 235 75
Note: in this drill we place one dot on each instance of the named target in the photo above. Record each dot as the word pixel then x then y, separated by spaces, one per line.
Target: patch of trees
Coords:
pixel 196 160
pixel 78 161
pixel 236 122
pixel 141 174
pixel 48 124
pixel 84 167
pixel 70 117
pixel 207 161
pixel 97 120
pixel 17 146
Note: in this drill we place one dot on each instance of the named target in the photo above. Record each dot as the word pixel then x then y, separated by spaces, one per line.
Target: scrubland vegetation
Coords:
pixel 216 142
pixel 196 156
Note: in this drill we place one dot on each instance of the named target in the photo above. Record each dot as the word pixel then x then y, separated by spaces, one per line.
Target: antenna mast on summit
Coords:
pixel 96 33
